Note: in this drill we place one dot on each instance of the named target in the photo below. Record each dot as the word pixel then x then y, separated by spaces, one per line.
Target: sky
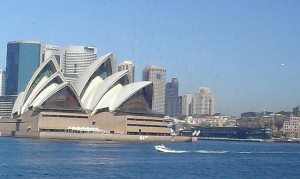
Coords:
pixel 246 52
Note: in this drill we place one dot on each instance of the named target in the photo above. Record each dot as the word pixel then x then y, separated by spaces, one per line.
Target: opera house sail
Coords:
pixel 100 105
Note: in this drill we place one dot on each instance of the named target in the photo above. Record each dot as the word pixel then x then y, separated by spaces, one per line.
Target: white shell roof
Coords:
pixel 41 85
pixel 126 92
pixel 86 75
pixel 107 98
pixel 17 106
pixel 46 94
pixel 119 94
pixel 36 73
pixel 105 86
pixel 90 93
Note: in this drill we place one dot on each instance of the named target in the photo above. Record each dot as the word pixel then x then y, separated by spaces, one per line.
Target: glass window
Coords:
pixel 103 71
pixel 65 99
pixel 48 70
pixel 140 102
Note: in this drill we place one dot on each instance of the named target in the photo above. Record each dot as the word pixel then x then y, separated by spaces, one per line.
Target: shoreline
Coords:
pixel 252 140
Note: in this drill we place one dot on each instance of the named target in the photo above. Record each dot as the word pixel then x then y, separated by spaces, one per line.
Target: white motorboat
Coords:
pixel 162 148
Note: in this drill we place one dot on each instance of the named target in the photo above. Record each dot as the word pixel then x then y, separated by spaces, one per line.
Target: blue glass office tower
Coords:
pixel 172 98
pixel 21 61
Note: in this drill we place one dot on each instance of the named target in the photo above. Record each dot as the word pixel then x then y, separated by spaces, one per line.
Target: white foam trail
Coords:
pixel 175 151
pixel 211 152
pixel 245 152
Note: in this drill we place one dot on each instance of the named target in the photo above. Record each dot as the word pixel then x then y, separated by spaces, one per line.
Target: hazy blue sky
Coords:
pixel 234 47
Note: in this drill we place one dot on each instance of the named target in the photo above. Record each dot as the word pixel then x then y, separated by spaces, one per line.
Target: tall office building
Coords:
pixel 22 60
pixel 186 105
pixel 52 50
pixel 172 99
pixel 296 111
pixel 203 102
pixel 2 82
pixel 77 59
pixel 157 76
pixel 128 65
pixel 180 104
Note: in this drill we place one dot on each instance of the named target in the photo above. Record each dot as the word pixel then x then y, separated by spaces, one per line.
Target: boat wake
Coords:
pixel 211 152
pixel 163 149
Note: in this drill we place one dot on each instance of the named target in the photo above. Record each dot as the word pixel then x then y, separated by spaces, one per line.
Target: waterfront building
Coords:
pixel 157 76
pixel 172 99
pixel 186 105
pixel 128 65
pixel 76 59
pixel 22 60
pixel 2 82
pixel 101 105
pixel 296 111
pixel 234 132
pixel 203 102
pixel 6 105
pixel 291 127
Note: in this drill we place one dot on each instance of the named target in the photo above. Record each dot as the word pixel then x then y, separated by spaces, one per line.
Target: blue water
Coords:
pixel 91 159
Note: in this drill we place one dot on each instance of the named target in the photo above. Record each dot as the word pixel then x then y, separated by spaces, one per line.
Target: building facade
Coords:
pixel 157 76
pixel 172 98
pixel 292 127
pixel 186 105
pixel 6 105
pixel 128 65
pixel 296 111
pixel 76 59
pixel 2 82
pixel 52 50
pixel 23 58
pixel 116 110
pixel 203 102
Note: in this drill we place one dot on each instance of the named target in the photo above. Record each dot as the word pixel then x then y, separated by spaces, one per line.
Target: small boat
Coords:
pixel 162 148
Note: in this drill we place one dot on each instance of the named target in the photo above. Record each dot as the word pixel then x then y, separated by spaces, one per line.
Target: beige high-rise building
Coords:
pixel 48 50
pixel 157 76
pixel 292 127
pixel 203 102
pixel 77 59
pixel 186 105
pixel 128 65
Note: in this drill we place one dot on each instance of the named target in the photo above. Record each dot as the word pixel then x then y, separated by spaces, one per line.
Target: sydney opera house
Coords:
pixel 100 105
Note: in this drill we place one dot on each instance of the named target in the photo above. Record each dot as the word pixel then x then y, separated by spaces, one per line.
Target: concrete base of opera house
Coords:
pixel 102 137
pixel 8 128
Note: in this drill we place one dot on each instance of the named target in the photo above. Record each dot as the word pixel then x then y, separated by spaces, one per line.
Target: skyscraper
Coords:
pixel 128 65
pixel 49 50
pixel 186 105
pixel 2 82
pixel 296 111
pixel 22 60
pixel 77 59
pixel 172 99
pixel 203 102
pixel 157 76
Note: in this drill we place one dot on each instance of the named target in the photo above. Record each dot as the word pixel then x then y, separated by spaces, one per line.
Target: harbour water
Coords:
pixel 91 159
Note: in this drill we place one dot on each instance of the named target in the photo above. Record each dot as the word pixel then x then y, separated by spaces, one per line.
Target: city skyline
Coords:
pixel 245 52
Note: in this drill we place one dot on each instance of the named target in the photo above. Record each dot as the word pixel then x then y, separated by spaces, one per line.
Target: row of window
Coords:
pixel 143 125
pixel 148 133
pixel 151 120
pixel 65 116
